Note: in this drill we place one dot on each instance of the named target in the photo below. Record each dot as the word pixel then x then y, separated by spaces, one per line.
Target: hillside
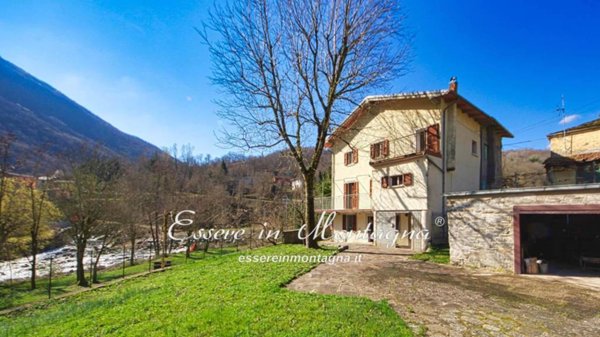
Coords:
pixel 523 168
pixel 41 117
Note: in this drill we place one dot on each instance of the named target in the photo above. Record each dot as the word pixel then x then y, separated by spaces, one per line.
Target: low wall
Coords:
pixel 480 224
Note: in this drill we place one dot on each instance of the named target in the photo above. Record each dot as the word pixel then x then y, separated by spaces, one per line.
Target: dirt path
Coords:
pixel 439 300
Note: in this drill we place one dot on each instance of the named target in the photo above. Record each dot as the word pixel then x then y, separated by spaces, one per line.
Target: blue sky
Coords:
pixel 140 65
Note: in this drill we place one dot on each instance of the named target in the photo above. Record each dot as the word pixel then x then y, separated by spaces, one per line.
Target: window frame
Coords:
pixel 475 148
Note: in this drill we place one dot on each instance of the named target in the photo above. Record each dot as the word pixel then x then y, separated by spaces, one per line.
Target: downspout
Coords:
pixel 444 139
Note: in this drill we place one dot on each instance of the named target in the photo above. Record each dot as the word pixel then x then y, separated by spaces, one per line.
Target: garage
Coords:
pixel 557 239
pixel 559 226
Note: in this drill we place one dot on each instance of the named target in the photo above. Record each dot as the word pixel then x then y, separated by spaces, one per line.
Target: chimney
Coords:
pixel 453 85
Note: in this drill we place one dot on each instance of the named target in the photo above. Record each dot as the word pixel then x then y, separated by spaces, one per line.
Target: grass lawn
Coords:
pixel 212 297
pixel 19 293
pixel 435 254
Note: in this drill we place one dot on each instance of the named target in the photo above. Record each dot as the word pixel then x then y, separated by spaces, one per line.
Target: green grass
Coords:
pixel 435 254
pixel 212 297
pixel 20 293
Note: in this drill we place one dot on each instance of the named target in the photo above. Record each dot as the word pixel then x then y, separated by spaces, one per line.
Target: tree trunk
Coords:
pixel 33 263
pixel 80 271
pixel 132 252
pixel 309 209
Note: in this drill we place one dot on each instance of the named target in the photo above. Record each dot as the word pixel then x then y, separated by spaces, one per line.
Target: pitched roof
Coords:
pixel 467 107
pixel 579 158
pixel 587 126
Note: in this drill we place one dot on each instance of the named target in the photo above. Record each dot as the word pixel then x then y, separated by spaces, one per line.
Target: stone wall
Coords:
pixel 480 224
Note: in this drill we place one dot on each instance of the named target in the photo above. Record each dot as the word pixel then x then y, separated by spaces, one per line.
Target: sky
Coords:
pixel 141 66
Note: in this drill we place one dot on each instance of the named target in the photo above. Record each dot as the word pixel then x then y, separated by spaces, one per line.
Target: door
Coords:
pixel 351 195
pixel 404 227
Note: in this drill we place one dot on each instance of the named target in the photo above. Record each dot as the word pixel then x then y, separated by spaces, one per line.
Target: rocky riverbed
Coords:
pixel 63 261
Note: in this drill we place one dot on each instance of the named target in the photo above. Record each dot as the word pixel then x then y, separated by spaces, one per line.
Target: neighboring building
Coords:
pixel 575 155
pixel 388 159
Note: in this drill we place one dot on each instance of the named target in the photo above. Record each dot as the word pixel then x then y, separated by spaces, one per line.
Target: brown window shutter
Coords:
pixel 355 156
pixel 384 182
pixel 408 179
pixel 370 187
pixel 346 159
pixel 355 199
pixel 372 151
pixel 433 138
pixel 386 148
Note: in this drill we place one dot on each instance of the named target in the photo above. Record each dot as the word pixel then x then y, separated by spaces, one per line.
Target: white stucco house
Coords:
pixel 395 156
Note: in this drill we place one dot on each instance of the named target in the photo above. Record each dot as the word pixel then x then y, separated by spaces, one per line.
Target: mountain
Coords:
pixel 41 117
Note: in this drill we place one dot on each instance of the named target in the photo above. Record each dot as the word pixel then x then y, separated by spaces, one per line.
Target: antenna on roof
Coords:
pixel 562 114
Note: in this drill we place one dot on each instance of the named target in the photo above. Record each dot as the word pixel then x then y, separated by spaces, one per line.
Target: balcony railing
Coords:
pixel 342 202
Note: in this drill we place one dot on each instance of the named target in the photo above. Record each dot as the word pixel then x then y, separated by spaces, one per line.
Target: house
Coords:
pixel 575 155
pixel 395 156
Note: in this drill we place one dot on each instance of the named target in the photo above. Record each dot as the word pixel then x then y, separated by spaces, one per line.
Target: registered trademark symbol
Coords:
pixel 439 221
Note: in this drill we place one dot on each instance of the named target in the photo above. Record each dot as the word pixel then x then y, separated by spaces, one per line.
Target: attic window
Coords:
pixel 380 150
pixel 351 157
pixel 428 139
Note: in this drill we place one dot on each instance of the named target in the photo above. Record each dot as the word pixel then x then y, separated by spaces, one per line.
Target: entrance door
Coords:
pixel 404 227
pixel 370 229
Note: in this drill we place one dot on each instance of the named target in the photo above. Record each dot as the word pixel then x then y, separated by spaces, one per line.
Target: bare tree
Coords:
pixel 291 69
pixel 84 200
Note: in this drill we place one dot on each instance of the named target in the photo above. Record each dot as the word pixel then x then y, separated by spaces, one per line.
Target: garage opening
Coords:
pixel 559 242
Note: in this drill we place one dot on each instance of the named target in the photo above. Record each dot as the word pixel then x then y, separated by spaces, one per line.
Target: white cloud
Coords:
pixel 568 119
pixel 188 98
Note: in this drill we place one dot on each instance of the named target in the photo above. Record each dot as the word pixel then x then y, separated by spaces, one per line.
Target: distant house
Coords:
pixel 395 156
pixel 575 155
pixel 297 184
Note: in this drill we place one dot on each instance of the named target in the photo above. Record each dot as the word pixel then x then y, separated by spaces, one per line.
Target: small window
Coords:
pixel 474 148
pixel 351 157
pixel 421 140
pixel 349 222
pixel 397 180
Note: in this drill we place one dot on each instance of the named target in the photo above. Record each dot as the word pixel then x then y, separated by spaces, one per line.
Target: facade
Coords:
pixel 395 156
pixel 575 155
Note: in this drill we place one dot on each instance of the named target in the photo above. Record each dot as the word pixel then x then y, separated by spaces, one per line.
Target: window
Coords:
pixel 349 222
pixel 421 140
pixel 351 195
pixel 428 139
pixel 474 148
pixel 405 179
pixel 351 157
pixel 381 149
pixel 397 180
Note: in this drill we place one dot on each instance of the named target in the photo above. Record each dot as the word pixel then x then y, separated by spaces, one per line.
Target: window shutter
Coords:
pixel 408 179
pixel 346 159
pixel 355 156
pixel 370 187
pixel 386 148
pixel 433 138
pixel 355 199
pixel 384 182
pixel 372 151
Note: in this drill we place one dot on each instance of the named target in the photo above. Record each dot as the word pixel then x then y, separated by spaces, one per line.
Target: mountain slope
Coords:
pixel 42 117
